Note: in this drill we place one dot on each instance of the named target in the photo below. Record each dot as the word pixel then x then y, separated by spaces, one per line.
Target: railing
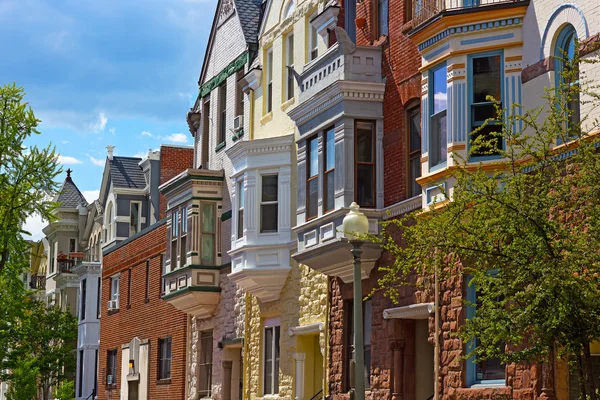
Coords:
pixel 316 396
pixel 423 10
pixel 37 282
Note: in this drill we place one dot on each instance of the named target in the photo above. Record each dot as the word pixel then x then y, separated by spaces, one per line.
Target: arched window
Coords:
pixel 289 10
pixel 109 222
pixel 567 78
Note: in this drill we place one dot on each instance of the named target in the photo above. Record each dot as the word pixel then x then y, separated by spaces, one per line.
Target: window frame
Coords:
pixel 290 85
pixel 205 130
pixel 269 80
pixel 470 87
pixel 413 110
pixel 440 114
pixel 183 243
pixel 240 211
pixel 313 39
pixel 222 131
pixel 174 250
pixel 165 358
pixel 205 336
pixel 328 173
pixel 115 290
pixel 372 163
pixel 72 241
pixel 269 203
pixel 132 230
pixel 349 342
pixel 563 39
pixel 274 364
pixel 378 18
pixel 80 373
pixel 310 177
pixel 111 366
pixel 213 233
pixel 82 303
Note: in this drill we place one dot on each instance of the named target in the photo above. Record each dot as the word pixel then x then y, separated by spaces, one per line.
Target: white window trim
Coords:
pixel 261 202
pixel 139 222
pixel 115 295
pixel 270 323
pixel 289 57
pixel 313 35
pixel 269 61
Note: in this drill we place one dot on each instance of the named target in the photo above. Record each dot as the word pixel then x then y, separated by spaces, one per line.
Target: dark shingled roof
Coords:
pixel 125 172
pixel 248 12
pixel 69 196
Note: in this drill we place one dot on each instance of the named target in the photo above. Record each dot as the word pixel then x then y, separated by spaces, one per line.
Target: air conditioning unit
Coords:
pixel 112 305
pixel 109 379
pixel 238 123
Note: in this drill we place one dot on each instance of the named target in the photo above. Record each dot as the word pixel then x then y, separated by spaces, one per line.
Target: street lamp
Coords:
pixel 355 222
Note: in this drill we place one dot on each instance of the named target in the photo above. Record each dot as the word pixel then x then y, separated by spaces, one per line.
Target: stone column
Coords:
pixel 548 379
pixel 299 357
pixel 397 347
pixel 227 365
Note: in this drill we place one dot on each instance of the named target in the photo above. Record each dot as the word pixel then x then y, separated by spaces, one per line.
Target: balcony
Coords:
pixel 426 10
pixel 322 244
pixel 341 62
pixel 193 289
pixel 65 276
pixel 37 282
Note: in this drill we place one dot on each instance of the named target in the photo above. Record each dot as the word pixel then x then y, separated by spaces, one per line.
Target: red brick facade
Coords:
pixel 173 160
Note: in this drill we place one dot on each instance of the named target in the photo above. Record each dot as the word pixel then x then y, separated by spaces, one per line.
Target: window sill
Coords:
pixel 476 159
pixel 163 381
pixel 487 385
pixel 266 118
pixel 406 27
pixel 438 166
pixel 237 135
pixel 220 146
pixel 286 104
pixel 112 312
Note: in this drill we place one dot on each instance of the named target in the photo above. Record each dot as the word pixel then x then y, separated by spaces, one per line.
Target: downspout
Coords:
pixel 436 337
pixel 246 336
pixel 251 119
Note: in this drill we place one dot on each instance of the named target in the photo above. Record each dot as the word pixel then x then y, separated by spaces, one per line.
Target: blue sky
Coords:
pixel 120 72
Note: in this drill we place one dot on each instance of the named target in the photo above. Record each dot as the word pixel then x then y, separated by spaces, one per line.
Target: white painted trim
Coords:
pixel 413 311
pixel 306 329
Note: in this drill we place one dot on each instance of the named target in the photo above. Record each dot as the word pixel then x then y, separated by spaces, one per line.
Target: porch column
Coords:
pixel 299 357
pixel 548 379
pixel 397 347
pixel 227 365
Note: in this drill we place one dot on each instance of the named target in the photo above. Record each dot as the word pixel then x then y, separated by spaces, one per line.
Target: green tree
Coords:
pixel 35 341
pixel 527 234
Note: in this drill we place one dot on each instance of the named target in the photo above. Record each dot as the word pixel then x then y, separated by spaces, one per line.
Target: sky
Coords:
pixel 118 72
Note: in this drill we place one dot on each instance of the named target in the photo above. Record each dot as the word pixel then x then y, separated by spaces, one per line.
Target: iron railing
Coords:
pixel 423 10
pixel 37 281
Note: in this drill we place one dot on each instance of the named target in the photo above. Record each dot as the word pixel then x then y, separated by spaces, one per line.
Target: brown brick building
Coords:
pixel 142 337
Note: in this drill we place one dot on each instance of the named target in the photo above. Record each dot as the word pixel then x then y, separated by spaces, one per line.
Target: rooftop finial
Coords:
pixel 110 149
pixel 69 174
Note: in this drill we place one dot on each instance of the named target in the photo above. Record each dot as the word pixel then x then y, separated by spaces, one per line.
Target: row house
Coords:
pixel 142 338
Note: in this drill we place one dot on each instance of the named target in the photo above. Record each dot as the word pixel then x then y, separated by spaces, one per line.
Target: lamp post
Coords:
pixel 355 222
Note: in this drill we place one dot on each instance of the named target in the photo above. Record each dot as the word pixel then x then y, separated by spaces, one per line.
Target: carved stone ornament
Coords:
pixel 227 9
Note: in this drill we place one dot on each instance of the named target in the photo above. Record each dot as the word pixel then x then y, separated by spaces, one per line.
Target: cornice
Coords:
pixel 413 311
pixel 260 147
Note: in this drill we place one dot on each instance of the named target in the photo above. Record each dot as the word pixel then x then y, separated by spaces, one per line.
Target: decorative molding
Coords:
pixel 227 10
pixel 306 329
pixel 403 207
pixel 326 21
pixel 413 311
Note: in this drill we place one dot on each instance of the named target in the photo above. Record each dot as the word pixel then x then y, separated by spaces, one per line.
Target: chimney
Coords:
pixel 110 149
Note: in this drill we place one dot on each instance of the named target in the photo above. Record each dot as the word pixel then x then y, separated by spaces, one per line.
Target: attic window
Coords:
pixel 289 10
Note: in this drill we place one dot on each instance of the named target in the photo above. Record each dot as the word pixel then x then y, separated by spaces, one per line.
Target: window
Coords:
pixel 289 10
pixel 53 251
pixel 269 77
pixel 349 18
pixel 80 383
pixel 205 132
pixel 174 236
pixel 438 151
pixel 115 290
pixel 164 358
pixel 486 72
pixel 313 39
pixel 289 62
pixel 414 150
pixel 99 297
pixel 364 166
pixel 147 294
pixel 271 364
pixel 222 112
pixel 109 222
pixel 208 234
pixel 205 364
pixel 567 79
pixel 135 211
pixel 240 221
pixel 490 371
pixel 268 204
pixel 129 288
pixel 239 96
pixel 96 372
pixel 350 351
pixel 408 10
pixel 72 245
pixel 111 367
pixel 83 298
pixel 329 173
pixel 382 17
pixel 312 184
pixel 183 237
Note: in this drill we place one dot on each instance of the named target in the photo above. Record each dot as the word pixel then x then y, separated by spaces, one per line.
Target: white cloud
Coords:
pixel 112 131
pixel 146 133
pixel 34 225
pixel 99 124
pixel 91 195
pixel 67 160
pixel 96 161
pixel 176 138
pixel 65 142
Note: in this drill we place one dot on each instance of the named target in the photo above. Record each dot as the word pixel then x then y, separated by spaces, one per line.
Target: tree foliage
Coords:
pixel 525 232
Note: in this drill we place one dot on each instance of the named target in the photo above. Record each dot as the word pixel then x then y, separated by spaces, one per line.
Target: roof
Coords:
pixel 69 195
pixel 125 172
pixel 248 12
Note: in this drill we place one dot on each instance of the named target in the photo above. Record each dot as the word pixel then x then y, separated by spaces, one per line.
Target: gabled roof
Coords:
pixel 69 195
pixel 125 172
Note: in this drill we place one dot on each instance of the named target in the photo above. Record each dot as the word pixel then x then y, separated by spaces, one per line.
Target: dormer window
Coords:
pixel 135 213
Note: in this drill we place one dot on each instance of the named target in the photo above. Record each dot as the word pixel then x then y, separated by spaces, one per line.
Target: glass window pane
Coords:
pixel 276 366
pixel 268 372
pixel 486 78
pixel 364 190
pixel 313 198
pixel 269 188
pixel 414 125
pixel 313 157
pixel 438 149
pixel 364 141
pixel 482 112
pixel 383 17
pixel 208 218
pixel 208 248
pixel 268 218
pixel 440 98
pixel 329 149
pixel 415 172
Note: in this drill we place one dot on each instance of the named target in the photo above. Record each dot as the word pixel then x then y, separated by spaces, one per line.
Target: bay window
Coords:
pixel 271 360
pixel 268 204
pixel 329 173
pixel 414 150
pixel 486 72
pixel 438 152
pixel 312 185
pixel 240 220
pixel 364 165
